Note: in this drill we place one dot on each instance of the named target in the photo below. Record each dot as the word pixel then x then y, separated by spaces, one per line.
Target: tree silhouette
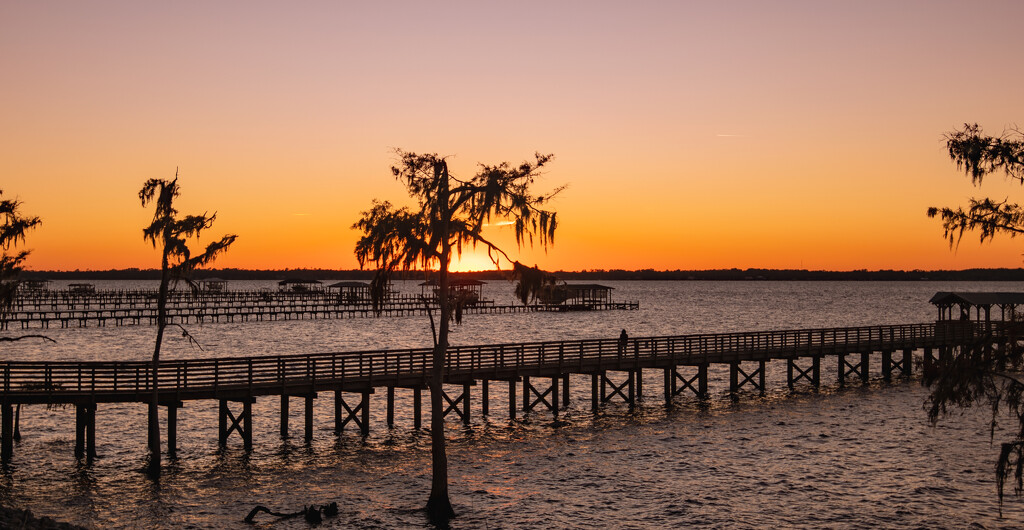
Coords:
pixel 979 155
pixel 451 213
pixel 170 234
pixel 13 225
pixel 979 373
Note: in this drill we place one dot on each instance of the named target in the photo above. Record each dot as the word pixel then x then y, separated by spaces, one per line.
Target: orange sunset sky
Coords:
pixel 692 135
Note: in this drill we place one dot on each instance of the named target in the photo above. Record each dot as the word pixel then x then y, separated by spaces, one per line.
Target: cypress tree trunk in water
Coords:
pixel 154 401
pixel 439 505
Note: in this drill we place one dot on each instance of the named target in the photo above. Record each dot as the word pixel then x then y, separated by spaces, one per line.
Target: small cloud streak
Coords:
pixel 502 223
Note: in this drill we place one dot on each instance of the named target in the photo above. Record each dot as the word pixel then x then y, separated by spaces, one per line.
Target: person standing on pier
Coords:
pixel 623 339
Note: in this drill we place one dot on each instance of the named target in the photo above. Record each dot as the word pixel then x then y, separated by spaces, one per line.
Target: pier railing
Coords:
pixel 59 381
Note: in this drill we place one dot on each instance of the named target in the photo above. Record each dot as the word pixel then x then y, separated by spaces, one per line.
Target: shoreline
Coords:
pixel 17 518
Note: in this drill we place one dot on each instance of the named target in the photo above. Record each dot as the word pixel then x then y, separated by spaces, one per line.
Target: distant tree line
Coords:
pixel 594 275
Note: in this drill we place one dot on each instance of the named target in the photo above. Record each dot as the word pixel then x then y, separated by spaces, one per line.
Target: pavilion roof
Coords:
pixel 977 298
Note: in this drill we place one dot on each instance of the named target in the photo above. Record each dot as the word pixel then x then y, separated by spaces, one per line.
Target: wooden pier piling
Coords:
pixel 85 431
pixel 284 416
pixel 6 433
pixel 309 416
pixel 172 428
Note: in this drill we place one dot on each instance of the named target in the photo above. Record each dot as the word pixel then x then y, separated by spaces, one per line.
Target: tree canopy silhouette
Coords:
pixel 171 234
pixel 449 217
pixel 13 226
pixel 982 373
pixel 979 155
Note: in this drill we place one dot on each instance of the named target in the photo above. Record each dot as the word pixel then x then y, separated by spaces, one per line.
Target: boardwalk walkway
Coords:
pixel 542 368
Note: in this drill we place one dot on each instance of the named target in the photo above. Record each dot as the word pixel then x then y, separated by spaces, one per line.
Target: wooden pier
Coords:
pixel 540 370
pixel 118 308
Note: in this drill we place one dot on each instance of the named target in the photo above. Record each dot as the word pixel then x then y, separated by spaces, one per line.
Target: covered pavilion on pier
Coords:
pixel 351 291
pixel 977 306
pixel 298 285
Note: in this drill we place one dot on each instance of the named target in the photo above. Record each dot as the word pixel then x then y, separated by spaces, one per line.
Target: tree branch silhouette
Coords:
pixel 170 234
pixel 980 373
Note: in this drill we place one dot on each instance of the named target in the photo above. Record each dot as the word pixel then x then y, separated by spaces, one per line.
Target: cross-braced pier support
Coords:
pixel 676 383
pixel 459 405
pixel 345 414
pixel 812 373
pixel 902 365
pixel 738 377
pixel 242 423
pixel 534 395
pixel 860 369
pixel 600 384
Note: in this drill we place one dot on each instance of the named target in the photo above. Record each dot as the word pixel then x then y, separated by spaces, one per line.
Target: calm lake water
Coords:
pixel 863 456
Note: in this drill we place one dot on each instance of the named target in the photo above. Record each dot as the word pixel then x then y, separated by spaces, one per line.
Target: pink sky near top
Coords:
pixel 692 135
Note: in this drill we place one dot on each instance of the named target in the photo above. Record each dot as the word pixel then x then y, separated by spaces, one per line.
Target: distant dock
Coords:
pixel 66 309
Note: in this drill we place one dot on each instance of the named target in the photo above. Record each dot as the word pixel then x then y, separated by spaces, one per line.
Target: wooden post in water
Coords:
pixel 554 397
pixel 816 372
pixel 842 369
pixel 337 411
pixel 79 432
pixel 908 362
pixel 761 377
pixel 702 381
pixel 465 403
pixel 526 393
pixel 865 363
pixel 669 387
pixel 222 423
pixel 284 415
pixel 391 407
pixel 172 428
pixel 887 366
pixel 7 433
pixel 309 416
pixel 417 408
pixel 365 427
pixel 565 391
pixel 485 398
pixel 632 391
pixel 511 399
pixel 247 423
pixel 639 383
pixel 90 432
pixel 594 392
pixel 734 378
